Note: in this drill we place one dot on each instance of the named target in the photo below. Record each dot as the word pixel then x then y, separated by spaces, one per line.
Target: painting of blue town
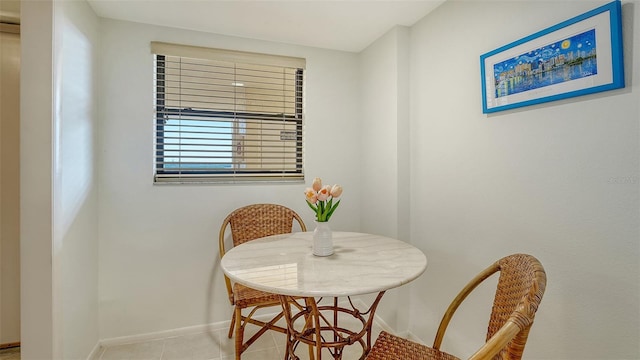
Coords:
pixel 565 60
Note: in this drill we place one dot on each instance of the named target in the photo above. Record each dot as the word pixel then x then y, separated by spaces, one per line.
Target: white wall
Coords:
pixel 159 266
pixel 384 114
pixel 558 180
pixel 58 181
pixel 75 244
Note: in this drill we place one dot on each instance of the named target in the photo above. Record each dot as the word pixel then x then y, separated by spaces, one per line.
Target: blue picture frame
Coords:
pixel 579 56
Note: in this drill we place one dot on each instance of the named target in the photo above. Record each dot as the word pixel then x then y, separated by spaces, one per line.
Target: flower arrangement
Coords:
pixel 320 199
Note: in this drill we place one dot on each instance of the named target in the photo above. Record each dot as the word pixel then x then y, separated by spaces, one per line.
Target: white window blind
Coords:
pixel 226 115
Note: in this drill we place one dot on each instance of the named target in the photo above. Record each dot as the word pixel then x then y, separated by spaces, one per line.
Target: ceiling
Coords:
pixel 331 24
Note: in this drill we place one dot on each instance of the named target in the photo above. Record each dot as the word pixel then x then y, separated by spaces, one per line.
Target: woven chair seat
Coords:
pixel 391 347
pixel 245 297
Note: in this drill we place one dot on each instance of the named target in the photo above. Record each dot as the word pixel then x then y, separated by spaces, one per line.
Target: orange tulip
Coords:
pixel 336 191
pixel 324 193
pixel 320 199
pixel 309 192
pixel 317 184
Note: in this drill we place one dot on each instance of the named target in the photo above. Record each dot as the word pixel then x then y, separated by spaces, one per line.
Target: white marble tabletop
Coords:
pixel 360 264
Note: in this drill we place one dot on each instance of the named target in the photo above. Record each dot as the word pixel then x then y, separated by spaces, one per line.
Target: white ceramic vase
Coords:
pixel 322 239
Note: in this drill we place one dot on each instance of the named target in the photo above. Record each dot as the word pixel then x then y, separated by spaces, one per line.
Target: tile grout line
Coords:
pixel 164 343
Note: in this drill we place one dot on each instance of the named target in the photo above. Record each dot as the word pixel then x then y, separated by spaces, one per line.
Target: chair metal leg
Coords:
pixel 321 331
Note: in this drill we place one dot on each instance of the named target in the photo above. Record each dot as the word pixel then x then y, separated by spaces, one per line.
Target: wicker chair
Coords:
pixel 520 288
pixel 249 223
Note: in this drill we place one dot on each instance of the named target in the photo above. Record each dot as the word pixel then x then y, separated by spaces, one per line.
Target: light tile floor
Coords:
pixel 213 345
pixel 10 354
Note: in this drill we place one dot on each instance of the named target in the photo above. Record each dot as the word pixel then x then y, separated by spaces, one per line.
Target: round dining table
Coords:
pixel 360 264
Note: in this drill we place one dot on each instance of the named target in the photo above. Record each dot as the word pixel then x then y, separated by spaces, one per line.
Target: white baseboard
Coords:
pixel 93 355
pixel 165 334
pixel 159 335
pixel 411 336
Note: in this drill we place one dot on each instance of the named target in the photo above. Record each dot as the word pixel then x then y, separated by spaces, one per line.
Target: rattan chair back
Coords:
pixel 518 294
pixel 255 221
pixel 260 220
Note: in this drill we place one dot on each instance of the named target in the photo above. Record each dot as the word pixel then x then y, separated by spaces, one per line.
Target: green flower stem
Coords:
pixel 324 209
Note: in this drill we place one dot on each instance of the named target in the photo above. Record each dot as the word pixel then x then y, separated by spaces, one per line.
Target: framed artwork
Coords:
pixel 580 56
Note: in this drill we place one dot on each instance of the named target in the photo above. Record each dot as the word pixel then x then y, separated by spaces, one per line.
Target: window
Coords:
pixel 226 116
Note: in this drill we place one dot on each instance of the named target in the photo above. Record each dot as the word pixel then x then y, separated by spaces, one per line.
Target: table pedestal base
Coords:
pixel 318 326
